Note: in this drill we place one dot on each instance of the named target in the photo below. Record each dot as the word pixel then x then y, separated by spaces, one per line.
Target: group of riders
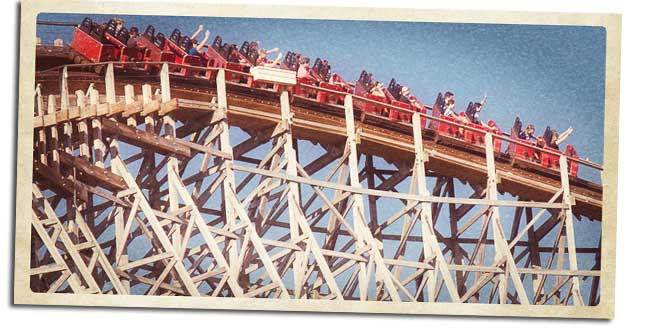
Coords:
pixel 445 103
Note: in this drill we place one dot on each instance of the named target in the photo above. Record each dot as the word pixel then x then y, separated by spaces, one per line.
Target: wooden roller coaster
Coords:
pixel 165 185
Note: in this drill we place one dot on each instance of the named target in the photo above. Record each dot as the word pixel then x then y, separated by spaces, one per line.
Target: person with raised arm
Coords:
pixel 376 89
pixel 262 60
pixel 198 46
pixel 557 138
pixel 303 68
pixel 472 114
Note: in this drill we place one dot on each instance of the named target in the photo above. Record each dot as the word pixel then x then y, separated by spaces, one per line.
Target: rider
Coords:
pixel 197 47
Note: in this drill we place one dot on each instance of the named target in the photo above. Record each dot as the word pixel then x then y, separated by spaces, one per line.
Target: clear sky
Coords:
pixel 547 75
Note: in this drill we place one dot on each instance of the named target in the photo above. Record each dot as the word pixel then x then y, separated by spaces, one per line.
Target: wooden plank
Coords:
pixel 92 174
pixel 396 195
pixel 59 183
pixel 145 140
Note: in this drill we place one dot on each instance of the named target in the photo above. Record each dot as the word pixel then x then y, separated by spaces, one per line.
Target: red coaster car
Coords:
pixel 227 56
pixel 445 128
pixel 550 158
pixel 395 95
pixel 361 88
pixel 180 46
pixel 89 46
pixel 523 151
pixel 119 38
pixel 154 45
pixel 336 83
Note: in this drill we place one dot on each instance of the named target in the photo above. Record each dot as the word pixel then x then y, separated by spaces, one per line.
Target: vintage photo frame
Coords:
pixel 26 120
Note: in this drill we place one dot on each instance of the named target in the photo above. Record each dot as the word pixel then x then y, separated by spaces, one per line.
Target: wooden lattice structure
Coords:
pixel 149 194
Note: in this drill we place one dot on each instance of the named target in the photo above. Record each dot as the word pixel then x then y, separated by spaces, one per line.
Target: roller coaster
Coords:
pixel 140 189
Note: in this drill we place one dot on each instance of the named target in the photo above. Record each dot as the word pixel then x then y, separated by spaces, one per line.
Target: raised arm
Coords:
pixel 484 99
pixel 272 50
pixel 274 63
pixel 205 39
pixel 564 135
pixel 198 30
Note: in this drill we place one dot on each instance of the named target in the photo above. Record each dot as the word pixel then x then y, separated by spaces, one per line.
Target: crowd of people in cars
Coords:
pixel 258 56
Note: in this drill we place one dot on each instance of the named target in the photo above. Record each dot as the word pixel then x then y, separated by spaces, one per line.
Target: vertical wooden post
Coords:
pixel 293 192
pixel 149 157
pixel 429 239
pixel 570 234
pixel 382 273
pixel 118 218
pixel 172 169
pixel 500 243
pixel 82 127
pixel 146 94
pixel 129 98
pixel 65 103
pixel 42 142
pixel 109 81
pixel 229 182
pixel 357 207
pixel 98 144
pixel 164 83
pixel 232 206
pixel 54 134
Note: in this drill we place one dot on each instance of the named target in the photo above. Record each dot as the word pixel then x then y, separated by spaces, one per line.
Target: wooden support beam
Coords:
pixel 109 82
pixel 570 231
pixel 430 242
pixel 144 139
pixel 93 175
pixel 501 245
pixel 59 183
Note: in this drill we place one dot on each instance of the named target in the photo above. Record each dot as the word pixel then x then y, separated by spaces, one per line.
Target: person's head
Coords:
pixel 195 42
pixel 119 23
pixel 449 96
pixel 530 130
pixel 304 61
pixel 452 103
pixel 133 32
pixel 405 91
pixel 478 106
pixel 540 142
pixel 261 53
pixel 554 136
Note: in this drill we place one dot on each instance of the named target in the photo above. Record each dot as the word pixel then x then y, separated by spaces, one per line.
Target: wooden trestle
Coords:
pixel 148 194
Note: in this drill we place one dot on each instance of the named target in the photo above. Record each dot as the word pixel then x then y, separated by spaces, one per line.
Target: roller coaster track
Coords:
pixel 219 189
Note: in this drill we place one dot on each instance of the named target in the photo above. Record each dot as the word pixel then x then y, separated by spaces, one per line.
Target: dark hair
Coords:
pixel 531 126
pixel 452 101
pixel 448 93
pixel 193 40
